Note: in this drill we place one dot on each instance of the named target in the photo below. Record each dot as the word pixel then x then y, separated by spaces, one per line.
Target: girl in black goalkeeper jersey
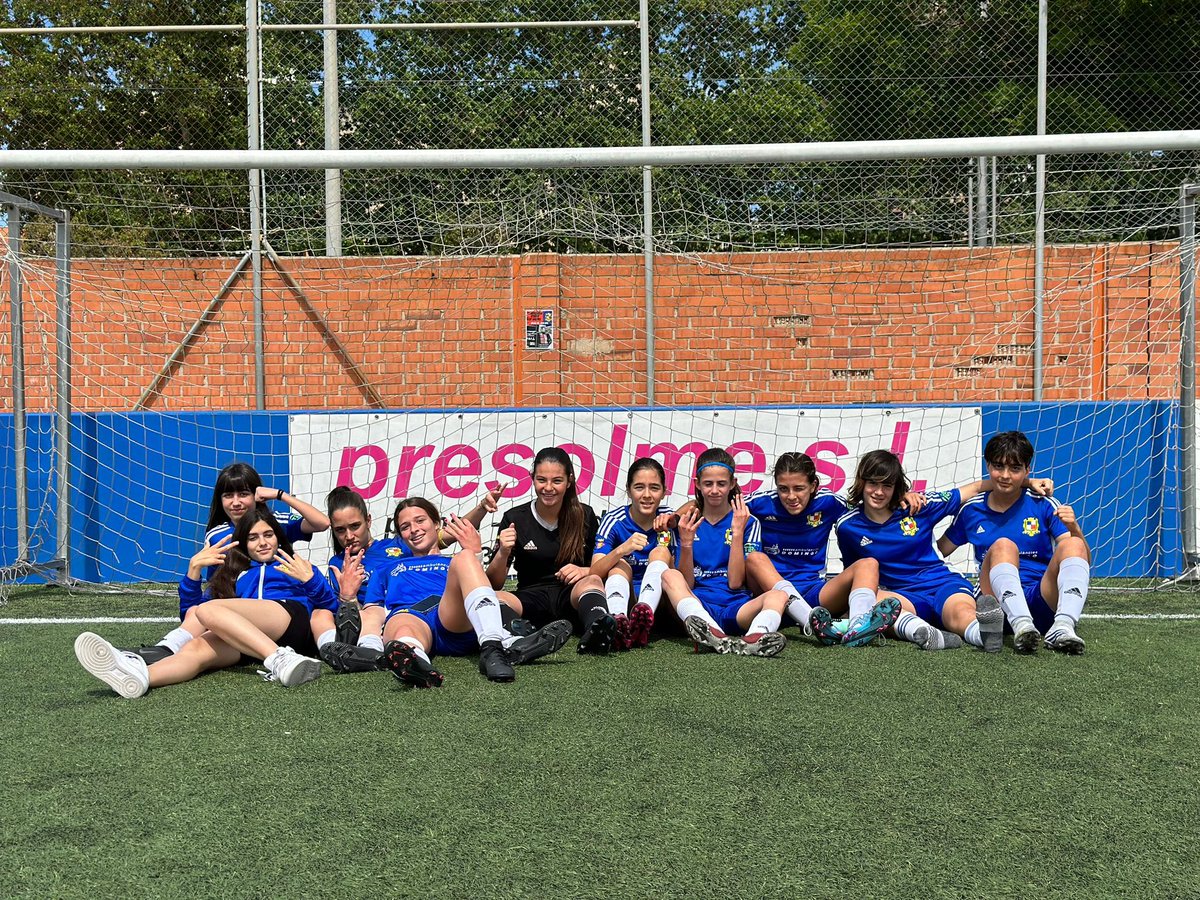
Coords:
pixel 549 542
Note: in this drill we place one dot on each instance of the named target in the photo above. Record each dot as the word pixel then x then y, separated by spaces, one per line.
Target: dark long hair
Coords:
pixel 344 497
pixel 646 462
pixel 237 476
pixel 714 456
pixel 237 560
pixel 881 466
pixel 570 520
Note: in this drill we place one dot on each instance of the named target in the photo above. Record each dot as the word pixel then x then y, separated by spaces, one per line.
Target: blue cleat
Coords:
pixel 821 626
pixel 865 628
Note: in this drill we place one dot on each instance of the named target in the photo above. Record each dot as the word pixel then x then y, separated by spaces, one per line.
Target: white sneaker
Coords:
pixel 125 673
pixel 289 668
pixel 1062 638
pixel 1027 639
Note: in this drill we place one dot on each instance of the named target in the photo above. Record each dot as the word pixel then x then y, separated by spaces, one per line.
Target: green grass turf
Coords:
pixel 882 772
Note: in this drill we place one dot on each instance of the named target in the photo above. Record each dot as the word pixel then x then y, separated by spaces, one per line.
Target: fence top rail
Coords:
pixel 604 157
pixel 50 30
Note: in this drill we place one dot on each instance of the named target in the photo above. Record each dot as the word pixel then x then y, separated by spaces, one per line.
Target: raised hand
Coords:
pixel 491 500
pixel 741 514
pixel 689 524
pixel 350 579
pixel 294 566
pixel 209 555
pixel 508 538
pixel 466 534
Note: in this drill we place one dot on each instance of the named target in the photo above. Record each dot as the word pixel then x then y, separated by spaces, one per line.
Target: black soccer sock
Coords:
pixel 507 614
pixel 592 606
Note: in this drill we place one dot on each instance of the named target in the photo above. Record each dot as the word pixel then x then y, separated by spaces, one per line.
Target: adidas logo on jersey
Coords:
pixel 866 540
pixel 530 546
pixel 979 530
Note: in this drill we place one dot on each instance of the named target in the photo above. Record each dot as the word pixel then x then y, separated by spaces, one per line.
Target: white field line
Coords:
pixel 133 620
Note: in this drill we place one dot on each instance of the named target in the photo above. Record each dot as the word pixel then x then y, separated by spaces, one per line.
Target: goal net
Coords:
pixel 477 315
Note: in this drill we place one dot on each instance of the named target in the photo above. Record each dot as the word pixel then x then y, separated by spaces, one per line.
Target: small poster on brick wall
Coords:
pixel 539 329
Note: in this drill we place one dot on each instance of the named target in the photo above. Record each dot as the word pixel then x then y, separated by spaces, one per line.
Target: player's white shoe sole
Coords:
pixel 125 673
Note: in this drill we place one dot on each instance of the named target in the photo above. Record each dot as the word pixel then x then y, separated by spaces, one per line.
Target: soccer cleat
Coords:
pixel 865 628
pixel 347 622
pixel 623 636
pixel 990 617
pixel 1027 639
pixel 150 654
pixel 761 643
pixel 349 658
pixel 290 669
pixel 598 637
pixel 823 628
pixel 706 636
pixel 121 670
pixel 402 661
pixel 929 638
pixel 1061 638
pixel 641 622
pixel 541 643
pixel 520 627
pixel 493 662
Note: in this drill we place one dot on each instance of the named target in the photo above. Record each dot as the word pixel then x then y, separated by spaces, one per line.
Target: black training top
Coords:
pixel 536 552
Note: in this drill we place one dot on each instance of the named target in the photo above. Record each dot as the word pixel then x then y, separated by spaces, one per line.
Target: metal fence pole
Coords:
pixel 1039 205
pixel 18 378
pixel 1187 378
pixel 333 177
pixel 62 374
pixel 981 196
pixel 254 139
pixel 647 198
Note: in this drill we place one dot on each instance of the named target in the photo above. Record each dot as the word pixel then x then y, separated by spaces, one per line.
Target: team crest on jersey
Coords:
pixel 1031 527
pixel 814 520
pixel 664 539
pixel 394 551
pixel 908 526
pixel 728 537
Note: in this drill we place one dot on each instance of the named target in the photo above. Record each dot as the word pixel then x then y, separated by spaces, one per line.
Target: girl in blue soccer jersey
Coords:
pixel 237 490
pixel 632 553
pixel 932 596
pixel 1031 551
pixel 257 605
pixel 437 604
pixel 708 590
pixel 797 519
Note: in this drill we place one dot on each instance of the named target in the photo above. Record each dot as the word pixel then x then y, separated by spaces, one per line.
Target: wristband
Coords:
pixel 279 494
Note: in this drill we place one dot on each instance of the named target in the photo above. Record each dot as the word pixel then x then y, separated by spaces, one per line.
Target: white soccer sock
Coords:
pixel 371 642
pixel 861 601
pixel 483 609
pixel 418 650
pixel 797 606
pixel 972 636
pixel 1006 585
pixel 766 620
pixel 616 591
pixel 175 639
pixel 907 625
pixel 651 591
pixel 690 606
pixel 1073 575
pixel 327 637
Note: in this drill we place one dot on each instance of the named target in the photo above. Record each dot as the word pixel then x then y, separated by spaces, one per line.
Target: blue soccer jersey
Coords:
pixel 903 545
pixel 265 581
pixel 616 528
pixel 797 543
pixel 290 522
pixel 408 582
pixel 381 553
pixel 1030 523
pixel 710 558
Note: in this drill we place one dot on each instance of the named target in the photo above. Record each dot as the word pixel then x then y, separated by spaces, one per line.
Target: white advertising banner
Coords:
pixel 453 458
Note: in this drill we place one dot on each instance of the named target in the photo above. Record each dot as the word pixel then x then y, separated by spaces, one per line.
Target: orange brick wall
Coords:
pixel 808 327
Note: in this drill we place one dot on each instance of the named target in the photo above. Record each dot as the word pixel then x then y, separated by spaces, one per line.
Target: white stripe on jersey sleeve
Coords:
pixel 609 522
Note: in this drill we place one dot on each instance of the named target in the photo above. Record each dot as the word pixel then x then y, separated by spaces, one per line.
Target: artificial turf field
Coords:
pixel 881 772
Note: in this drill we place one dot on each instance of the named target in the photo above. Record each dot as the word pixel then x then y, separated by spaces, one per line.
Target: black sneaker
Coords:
pixel 520 627
pixel 153 653
pixel 401 661
pixel 599 636
pixel 347 622
pixel 540 643
pixel 494 663
pixel 347 658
